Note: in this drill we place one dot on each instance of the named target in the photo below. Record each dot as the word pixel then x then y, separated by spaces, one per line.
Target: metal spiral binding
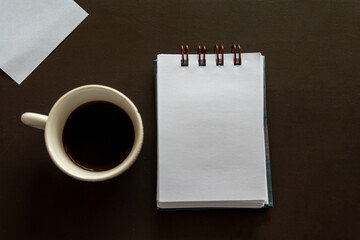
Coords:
pixel 202 60
pixel 219 61
pixel 236 49
pixel 184 62
pixel 219 50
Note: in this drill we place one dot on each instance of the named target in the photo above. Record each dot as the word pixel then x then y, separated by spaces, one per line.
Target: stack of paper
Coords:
pixel 211 138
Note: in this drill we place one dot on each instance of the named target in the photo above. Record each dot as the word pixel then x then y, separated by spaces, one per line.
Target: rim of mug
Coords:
pixel 97 175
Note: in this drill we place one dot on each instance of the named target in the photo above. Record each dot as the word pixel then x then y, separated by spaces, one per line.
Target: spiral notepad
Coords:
pixel 212 138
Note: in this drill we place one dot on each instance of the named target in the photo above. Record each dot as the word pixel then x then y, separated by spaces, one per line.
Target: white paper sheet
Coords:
pixel 211 131
pixel 31 30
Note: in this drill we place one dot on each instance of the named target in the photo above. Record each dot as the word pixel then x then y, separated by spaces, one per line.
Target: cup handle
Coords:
pixel 34 120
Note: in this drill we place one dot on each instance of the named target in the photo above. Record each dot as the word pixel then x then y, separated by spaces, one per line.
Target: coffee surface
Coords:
pixel 98 136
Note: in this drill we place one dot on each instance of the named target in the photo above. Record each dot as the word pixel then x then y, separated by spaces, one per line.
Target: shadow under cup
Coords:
pixel 59 115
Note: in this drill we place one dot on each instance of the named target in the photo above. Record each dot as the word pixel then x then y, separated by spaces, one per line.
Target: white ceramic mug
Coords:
pixel 54 123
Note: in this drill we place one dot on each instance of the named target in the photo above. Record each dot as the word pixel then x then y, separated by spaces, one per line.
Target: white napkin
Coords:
pixel 31 30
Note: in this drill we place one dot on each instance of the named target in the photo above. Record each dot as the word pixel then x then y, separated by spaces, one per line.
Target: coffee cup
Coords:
pixel 55 124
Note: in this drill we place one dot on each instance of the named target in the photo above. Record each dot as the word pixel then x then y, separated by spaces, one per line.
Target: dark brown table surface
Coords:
pixel 312 54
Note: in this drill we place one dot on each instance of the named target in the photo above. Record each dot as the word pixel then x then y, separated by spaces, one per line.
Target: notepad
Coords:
pixel 212 145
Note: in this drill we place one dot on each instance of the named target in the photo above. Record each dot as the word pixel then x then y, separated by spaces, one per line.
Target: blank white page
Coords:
pixel 31 30
pixel 211 130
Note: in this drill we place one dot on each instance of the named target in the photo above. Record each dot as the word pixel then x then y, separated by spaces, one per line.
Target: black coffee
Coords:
pixel 98 136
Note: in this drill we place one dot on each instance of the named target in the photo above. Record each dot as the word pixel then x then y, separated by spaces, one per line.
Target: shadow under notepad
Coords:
pixel 212 224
